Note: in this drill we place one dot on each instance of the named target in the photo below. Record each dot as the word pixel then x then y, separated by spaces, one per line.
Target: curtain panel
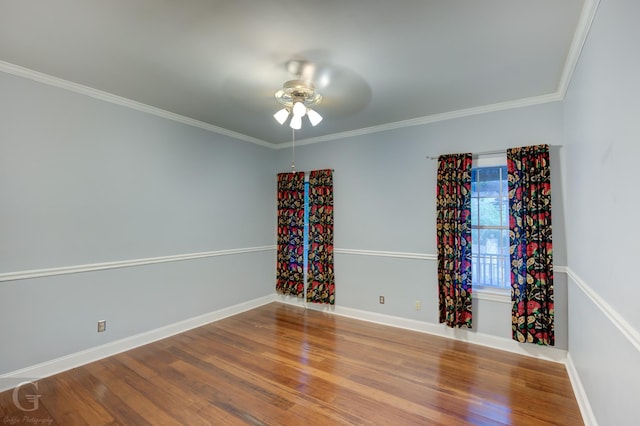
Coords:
pixel 453 234
pixel 531 246
pixel 320 276
pixel 290 234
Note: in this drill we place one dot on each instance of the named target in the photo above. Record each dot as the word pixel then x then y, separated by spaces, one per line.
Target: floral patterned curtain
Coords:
pixel 320 277
pixel 531 246
pixel 290 238
pixel 453 228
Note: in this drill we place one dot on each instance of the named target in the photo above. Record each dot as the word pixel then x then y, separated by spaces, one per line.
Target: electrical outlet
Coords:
pixel 382 300
pixel 418 305
pixel 102 326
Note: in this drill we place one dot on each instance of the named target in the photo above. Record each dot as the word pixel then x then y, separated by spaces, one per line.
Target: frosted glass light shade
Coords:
pixel 299 110
pixel 296 122
pixel 281 116
pixel 314 117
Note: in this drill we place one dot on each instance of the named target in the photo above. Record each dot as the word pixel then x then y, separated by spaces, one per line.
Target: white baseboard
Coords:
pixel 494 342
pixel 581 395
pixel 541 352
pixel 58 365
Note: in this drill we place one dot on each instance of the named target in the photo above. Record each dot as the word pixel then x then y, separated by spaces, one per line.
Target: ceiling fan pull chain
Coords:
pixel 293 150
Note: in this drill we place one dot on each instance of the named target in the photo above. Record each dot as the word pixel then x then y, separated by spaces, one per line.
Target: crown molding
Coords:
pixel 589 10
pixel 587 15
pixel 501 106
pixel 39 77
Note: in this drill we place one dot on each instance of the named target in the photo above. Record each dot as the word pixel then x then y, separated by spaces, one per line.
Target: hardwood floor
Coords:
pixel 284 365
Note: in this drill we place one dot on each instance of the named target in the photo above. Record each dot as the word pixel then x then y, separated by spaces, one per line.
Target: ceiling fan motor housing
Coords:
pixel 298 91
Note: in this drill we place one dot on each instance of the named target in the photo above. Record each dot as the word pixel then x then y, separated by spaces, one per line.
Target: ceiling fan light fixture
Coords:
pixel 299 109
pixel 282 115
pixel 296 122
pixel 297 96
pixel 314 117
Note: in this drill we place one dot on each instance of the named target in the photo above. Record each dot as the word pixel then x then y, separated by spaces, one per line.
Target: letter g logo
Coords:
pixel 31 398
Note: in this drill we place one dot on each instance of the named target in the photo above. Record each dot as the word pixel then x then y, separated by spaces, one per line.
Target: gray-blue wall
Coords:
pixel 86 182
pixel 602 140
pixel 385 203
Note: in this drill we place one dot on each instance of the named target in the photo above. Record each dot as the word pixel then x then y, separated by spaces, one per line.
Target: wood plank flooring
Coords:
pixel 284 365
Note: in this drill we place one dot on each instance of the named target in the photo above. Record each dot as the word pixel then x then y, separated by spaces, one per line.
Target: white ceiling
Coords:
pixel 217 63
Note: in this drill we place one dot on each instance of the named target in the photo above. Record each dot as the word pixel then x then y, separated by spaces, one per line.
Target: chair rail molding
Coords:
pixel 65 270
pixel 612 315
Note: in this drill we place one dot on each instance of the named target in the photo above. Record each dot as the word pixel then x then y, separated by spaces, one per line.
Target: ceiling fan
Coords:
pixel 341 92
pixel 297 96
pixel 270 84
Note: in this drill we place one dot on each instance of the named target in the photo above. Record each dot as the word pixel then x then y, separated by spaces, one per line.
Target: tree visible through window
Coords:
pixel 490 227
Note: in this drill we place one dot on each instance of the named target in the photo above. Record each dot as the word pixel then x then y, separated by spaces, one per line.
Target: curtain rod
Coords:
pixel 475 154
pixel 333 170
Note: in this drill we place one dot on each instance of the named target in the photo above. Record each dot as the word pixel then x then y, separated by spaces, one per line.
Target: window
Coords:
pixel 490 224
pixel 305 219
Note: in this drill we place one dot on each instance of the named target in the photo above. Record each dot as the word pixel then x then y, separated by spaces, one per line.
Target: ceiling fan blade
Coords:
pixel 343 91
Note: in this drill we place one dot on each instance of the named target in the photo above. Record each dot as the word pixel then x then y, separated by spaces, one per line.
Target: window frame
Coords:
pixel 492 293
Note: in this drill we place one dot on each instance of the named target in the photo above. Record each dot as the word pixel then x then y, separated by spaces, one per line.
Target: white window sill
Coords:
pixel 492 294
